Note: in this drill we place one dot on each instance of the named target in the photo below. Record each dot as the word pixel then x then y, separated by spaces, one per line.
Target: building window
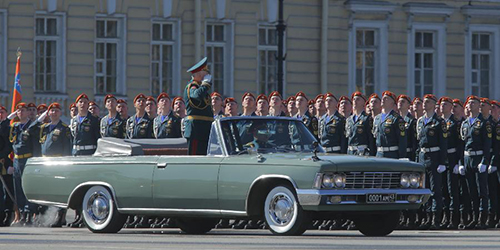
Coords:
pixel 48 53
pixel 366 50
pixel 424 62
pixel 268 65
pixel 162 58
pixel 3 49
pixel 215 47
pixel 109 56
pixel 480 64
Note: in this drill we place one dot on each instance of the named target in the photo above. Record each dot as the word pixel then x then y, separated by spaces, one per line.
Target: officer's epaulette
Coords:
pixel 64 124
pixel 193 84
pixel 44 125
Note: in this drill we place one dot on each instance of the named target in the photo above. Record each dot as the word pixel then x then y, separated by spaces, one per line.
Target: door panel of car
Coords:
pixel 186 182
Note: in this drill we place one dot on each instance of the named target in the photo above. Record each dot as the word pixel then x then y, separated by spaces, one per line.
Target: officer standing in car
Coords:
pixel 112 124
pixel 477 134
pixel 359 135
pixel 84 128
pixel 389 130
pixel 199 109
pixel 432 134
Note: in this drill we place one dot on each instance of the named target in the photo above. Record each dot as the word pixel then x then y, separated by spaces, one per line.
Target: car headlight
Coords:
pixel 415 180
pixel 405 180
pixel 328 181
pixel 339 180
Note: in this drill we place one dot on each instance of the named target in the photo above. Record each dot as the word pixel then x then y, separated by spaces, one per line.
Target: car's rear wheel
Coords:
pixel 283 213
pixel 196 226
pixel 378 224
pixel 99 211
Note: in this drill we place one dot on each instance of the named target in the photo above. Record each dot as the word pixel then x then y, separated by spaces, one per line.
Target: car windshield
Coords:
pixel 266 136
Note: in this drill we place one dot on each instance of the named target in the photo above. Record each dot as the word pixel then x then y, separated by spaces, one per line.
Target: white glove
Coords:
pixel 455 169
pixel 12 115
pixel 10 170
pixel 461 170
pixel 482 168
pixel 41 118
pixel 492 169
pixel 441 168
pixel 207 78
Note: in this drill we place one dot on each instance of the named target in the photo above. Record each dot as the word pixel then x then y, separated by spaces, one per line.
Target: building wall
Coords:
pixel 302 42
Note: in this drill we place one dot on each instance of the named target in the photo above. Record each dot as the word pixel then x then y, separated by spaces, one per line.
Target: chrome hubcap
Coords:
pixel 98 207
pixel 281 209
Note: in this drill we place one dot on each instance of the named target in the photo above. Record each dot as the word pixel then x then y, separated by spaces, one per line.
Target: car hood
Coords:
pixel 350 163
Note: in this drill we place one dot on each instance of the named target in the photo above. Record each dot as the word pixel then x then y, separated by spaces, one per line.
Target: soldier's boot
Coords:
pixel 19 220
pixel 483 217
pixel 252 224
pixel 143 223
pixel 446 219
pixel 326 225
pixel 7 218
pixel 59 219
pixel 436 221
pixel 497 225
pixel 352 226
pixel 346 224
pixel 135 220
pixel 491 222
pixel 473 222
pixel 161 222
pixel 78 214
pixel 426 222
pixel 464 220
pixel 170 223
pixel 128 221
pixel 2 219
pixel 336 225
pixel 454 221
pixel 77 223
pixel 223 223
pixel 240 224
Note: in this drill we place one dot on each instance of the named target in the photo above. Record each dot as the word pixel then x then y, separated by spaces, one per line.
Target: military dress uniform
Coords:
pixel 495 161
pixel 6 203
pixel 113 126
pixel 55 140
pixel 411 133
pixel 477 136
pixel 332 133
pixel 359 135
pixel 432 134
pixel 390 135
pixel 139 127
pixel 310 121
pixel 168 126
pixel 198 122
pixel 85 131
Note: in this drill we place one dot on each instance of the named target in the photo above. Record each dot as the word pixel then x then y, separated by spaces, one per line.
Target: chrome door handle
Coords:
pixel 161 165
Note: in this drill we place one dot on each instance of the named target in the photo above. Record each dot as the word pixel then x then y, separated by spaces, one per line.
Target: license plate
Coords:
pixel 380 198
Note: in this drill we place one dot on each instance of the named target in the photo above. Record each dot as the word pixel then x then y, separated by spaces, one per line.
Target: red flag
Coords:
pixel 16 94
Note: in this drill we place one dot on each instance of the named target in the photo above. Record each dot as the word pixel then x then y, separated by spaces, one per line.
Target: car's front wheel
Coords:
pixel 378 224
pixel 283 213
pixel 99 211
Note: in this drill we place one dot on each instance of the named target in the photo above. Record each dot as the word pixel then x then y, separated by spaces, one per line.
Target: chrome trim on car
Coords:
pixel 95 183
pixel 313 196
pixel 266 176
pixel 49 203
pixel 184 211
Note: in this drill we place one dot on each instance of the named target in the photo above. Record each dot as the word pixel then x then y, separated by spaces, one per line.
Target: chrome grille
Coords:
pixel 355 180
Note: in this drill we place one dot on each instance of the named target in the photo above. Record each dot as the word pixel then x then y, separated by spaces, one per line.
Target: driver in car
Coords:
pixel 261 134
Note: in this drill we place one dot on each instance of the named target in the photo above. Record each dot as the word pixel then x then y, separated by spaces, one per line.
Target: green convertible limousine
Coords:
pixel 256 168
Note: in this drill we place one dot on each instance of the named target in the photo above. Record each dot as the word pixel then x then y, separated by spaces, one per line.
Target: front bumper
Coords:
pixel 355 199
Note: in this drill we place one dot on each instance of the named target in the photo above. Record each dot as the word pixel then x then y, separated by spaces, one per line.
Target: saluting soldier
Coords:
pixel 41 109
pixel 404 103
pixel 359 135
pixel 32 111
pixel 166 124
pixel 477 134
pixel 139 126
pixel 332 128
pixel 303 114
pixel 262 105
pixel 217 105
pixel 455 146
pixel 432 134
pixel 112 124
pixel 389 130
pixel 23 142
pixel 6 169
pixel 55 140
pixel 200 116
pixel 84 128
pixel 495 158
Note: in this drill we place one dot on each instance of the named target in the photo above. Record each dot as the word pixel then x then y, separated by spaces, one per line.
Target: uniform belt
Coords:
pixel 408 150
pixel 388 149
pixel 429 150
pixel 24 156
pixel 84 147
pixel 359 147
pixel 200 117
pixel 452 150
pixel 473 153
pixel 332 149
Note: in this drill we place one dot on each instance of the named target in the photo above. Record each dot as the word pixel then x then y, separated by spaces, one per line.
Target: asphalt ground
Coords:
pixel 81 238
